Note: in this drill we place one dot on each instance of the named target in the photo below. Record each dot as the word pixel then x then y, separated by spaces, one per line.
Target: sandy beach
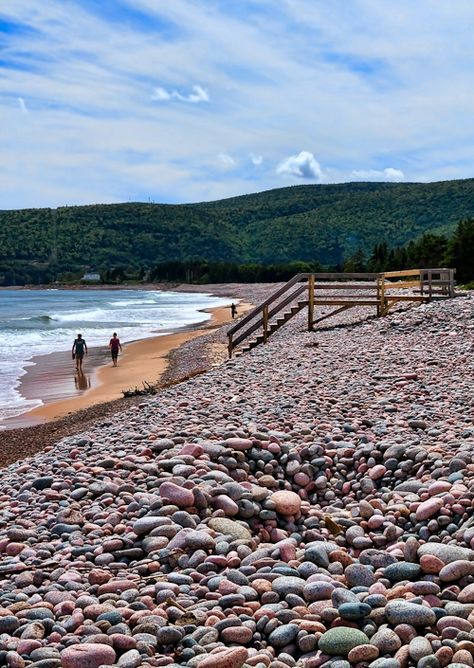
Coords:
pixel 53 378
pixel 27 435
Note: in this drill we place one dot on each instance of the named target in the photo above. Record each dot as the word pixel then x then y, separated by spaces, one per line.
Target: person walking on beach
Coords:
pixel 233 310
pixel 115 346
pixel 79 348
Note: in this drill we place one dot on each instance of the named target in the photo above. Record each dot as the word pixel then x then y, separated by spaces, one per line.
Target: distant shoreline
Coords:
pixel 95 286
pixel 203 288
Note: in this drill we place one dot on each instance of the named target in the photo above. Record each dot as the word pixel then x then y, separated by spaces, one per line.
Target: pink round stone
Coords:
pixel 377 472
pixel 431 564
pixel 179 496
pixel 456 570
pixel 27 646
pixel 237 634
pixel 428 509
pixel 239 443
pixel 286 503
pixel 225 503
pixel 287 551
pixel 116 587
pixel 98 576
pixel 193 449
pixel 439 486
pixel 228 658
pixel 87 655
pixel 467 594
pixel 301 478
pixel 375 522
pixel 123 642
pixel 13 549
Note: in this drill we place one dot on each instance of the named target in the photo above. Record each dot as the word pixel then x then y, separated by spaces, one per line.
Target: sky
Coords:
pixel 177 101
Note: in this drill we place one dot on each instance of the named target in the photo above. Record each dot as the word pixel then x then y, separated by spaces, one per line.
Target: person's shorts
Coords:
pixel 79 356
pixel 114 354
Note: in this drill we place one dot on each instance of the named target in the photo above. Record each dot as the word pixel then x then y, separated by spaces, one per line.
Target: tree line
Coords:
pixel 430 250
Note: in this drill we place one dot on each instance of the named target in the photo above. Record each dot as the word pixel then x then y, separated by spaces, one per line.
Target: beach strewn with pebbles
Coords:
pixel 307 504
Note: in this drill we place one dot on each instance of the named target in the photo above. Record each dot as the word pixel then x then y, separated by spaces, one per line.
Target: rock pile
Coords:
pixel 298 507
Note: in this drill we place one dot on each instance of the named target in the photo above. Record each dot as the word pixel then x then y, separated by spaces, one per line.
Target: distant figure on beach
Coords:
pixel 233 310
pixel 115 346
pixel 79 348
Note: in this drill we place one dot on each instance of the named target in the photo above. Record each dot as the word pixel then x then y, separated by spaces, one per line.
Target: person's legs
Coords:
pixel 79 363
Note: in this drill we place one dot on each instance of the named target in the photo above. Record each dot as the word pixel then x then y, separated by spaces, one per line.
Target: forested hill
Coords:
pixel 322 223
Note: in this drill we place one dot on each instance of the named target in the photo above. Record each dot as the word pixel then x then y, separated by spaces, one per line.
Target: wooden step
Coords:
pixel 274 327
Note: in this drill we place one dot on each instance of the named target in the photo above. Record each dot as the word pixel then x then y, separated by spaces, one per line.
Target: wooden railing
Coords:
pixel 345 291
pixel 260 313
pixel 428 283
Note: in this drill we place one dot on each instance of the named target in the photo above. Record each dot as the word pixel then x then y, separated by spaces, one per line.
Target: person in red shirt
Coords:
pixel 115 346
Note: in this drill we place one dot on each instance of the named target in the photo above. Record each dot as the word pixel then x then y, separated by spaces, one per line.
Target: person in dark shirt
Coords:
pixel 79 349
pixel 233 310
pixel 115 346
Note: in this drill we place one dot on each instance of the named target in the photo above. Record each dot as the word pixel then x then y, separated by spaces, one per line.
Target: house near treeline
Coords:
pixel 91 277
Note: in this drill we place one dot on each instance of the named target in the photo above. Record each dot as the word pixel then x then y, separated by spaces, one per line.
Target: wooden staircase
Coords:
pixel 274 326
pixel 343 291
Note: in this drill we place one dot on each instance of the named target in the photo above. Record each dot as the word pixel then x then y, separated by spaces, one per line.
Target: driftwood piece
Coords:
pixel 147 390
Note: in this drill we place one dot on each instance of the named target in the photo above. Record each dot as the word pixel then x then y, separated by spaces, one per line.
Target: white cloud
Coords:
pixel 227 161
pixel 256 160
pixel 199 94
pixel 302 166
pixel 387 174
pixel 22 104
pixel 160 95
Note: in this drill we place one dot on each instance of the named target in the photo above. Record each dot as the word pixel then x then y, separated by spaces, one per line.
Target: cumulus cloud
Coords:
pixel 303 166
pixel 226 160
pixel 22 104
pixel 198 94
pixel 256 159
pixel 387 174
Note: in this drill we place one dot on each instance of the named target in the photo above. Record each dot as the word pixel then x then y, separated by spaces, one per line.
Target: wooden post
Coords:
pixel 451 282
pixel 310 302
pixel 265 323
pixel 229 347
pixel 444 282
pixel 382 295
pixel 379 310
pixel 430 284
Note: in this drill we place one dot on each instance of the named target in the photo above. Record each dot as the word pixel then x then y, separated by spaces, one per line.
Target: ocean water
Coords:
pixel 38 322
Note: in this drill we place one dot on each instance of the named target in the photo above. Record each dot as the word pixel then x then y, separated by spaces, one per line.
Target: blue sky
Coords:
pixel 192 100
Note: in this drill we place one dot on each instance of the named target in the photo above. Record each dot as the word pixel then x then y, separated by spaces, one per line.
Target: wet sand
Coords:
pixel 53 378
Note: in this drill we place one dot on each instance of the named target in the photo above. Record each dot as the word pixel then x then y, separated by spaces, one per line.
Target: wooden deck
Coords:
pixel 343 291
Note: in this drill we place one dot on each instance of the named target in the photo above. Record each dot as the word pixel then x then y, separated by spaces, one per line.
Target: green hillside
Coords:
pixel 323 223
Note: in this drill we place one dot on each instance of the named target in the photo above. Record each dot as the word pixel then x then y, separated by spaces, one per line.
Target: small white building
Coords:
pixel 91 277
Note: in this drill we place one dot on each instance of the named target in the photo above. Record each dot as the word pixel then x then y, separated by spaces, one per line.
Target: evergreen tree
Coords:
pixel 460 254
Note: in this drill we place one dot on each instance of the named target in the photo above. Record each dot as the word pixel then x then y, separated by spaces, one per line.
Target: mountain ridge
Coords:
pixel 319 222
